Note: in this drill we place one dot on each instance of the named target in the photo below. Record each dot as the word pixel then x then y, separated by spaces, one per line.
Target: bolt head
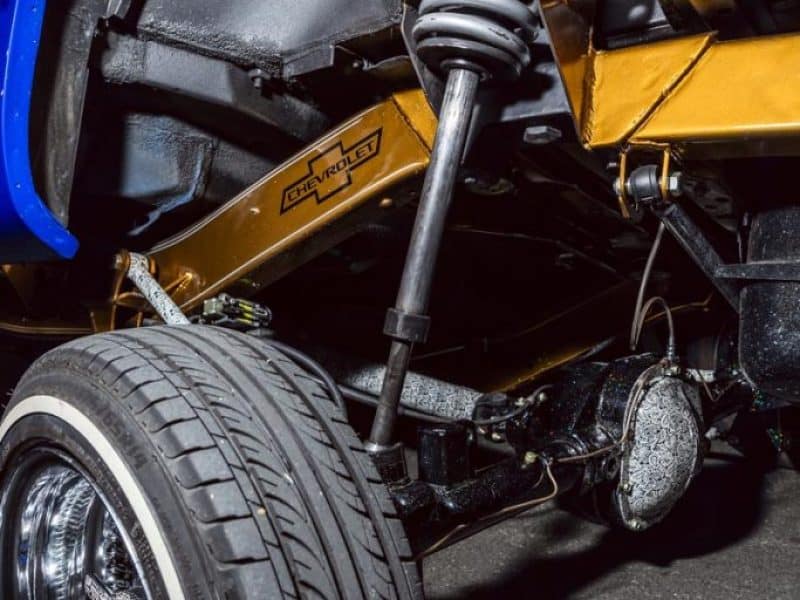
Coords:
pixel 541 135
pixel 258 77
pixel 530 458
pixel 627 488
pixel 674 184
pixel 637 525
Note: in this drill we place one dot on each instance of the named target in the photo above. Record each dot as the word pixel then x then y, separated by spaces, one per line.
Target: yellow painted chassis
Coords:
pixel 693 97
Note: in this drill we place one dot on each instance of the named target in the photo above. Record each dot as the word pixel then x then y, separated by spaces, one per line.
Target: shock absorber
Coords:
pixel 468 42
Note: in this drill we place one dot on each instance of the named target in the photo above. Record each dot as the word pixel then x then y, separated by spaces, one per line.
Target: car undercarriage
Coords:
pixel 578 214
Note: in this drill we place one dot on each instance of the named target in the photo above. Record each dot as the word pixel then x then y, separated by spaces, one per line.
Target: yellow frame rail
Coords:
pixel 701 96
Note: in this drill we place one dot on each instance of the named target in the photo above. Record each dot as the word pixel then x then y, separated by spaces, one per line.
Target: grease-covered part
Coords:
pixel 769 337
pixel 664 450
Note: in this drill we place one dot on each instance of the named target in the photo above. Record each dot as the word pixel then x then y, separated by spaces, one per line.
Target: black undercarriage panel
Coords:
pixel 280 36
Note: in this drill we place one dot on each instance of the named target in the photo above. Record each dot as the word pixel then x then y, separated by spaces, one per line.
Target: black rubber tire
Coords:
pixel 258 486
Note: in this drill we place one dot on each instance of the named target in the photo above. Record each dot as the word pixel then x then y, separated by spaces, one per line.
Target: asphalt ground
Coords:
pixel 736 534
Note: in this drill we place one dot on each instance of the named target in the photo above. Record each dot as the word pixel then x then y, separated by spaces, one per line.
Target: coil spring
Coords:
pixel 488 36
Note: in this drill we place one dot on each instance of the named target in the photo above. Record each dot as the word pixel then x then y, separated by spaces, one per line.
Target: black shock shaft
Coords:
pixel 468 41
pixel 407 323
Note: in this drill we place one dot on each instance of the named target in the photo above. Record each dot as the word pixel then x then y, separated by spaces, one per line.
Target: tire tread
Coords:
pixel 274 481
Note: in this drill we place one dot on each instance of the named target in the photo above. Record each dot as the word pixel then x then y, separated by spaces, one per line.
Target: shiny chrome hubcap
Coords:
pixel 64 539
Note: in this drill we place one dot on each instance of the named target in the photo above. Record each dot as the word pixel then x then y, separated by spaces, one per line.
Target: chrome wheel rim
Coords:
pixel 61 538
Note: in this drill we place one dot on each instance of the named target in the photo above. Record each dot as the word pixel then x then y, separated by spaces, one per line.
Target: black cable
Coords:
pixel 559 244
pixel 651 259
pixel 672 350
pixel 308 363
pixel 513 414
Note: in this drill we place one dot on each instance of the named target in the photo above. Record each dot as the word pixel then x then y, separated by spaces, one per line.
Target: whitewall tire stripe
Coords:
pixel 55 407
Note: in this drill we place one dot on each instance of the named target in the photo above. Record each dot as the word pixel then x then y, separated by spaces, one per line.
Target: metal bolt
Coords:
pixel 496 437
pixel 387 203
pixel 520 402
pixel 637 525
pixel 674 186
pixel 627 488
pixel 541 135
pixel 259 77
pixel 529 459
pixel 541 397
pixel 119 262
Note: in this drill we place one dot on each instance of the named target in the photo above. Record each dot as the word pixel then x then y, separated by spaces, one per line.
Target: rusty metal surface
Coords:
pixel 351 169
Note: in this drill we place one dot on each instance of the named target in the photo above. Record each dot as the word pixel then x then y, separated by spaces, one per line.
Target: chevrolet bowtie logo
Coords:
pixel 331 172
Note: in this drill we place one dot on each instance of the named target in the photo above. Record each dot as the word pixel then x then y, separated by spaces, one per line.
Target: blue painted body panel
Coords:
pixel 28 230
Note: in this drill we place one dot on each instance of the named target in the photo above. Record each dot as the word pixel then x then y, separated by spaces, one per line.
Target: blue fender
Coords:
pixel 28 230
